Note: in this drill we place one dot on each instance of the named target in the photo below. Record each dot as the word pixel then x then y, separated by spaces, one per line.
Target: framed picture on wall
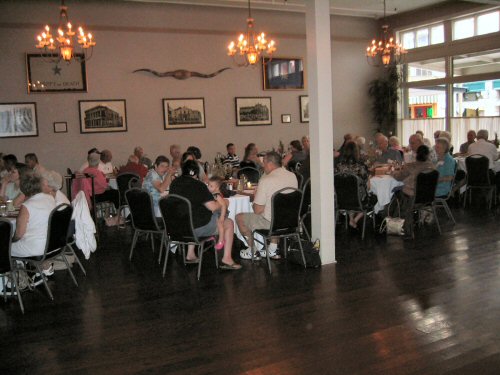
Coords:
pixel 60 127
pixel 103 116
pixel 286 119
pixel 183 113
pixel 47 74
pixel 253 111
pixel 304 108
pixel 18 120
pixel 282 73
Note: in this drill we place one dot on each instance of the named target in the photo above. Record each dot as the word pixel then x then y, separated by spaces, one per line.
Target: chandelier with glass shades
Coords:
pixel 68 43
pixel 386 51
pixel 250 45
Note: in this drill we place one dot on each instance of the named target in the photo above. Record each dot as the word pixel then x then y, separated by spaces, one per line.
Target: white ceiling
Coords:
pixel 359 8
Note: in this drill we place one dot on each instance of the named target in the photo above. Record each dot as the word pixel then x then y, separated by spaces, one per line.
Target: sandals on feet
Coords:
pixel 232 267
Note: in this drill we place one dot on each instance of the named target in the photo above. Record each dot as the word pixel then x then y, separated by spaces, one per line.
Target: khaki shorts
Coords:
pixel 253 221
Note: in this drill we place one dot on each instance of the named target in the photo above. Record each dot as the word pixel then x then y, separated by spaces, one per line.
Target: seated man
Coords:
pixel 276 178
pixel 133 166
pixel 31 161
pixel 231 157
pixel 483 147
pixel 471 138
pixel 176 154
pixel 102 191
pixel 386 154
pixel 105 166
pixel 139 152
pixel 86 163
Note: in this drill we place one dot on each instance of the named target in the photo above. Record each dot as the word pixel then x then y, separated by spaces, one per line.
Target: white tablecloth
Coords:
pixel 113 184
pixel 382 187
pixel 461 164
pixel 238 204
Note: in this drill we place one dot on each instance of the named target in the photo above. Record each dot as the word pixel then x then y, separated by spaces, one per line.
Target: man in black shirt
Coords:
pixel 204 209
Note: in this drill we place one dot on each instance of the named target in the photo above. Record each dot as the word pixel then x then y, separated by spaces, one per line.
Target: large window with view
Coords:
pixel 481 24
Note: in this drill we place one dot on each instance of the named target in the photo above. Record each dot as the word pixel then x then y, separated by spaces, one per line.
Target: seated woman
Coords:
pixel 445 166
pixel 408 174
pixel 33 220
pixel 251 158
pixel 350 162
pixel 205 212
pixel 158 180
pixel 294 156
pixel 196 152
pixel 10 189
pixel 53 187
pixel 102 191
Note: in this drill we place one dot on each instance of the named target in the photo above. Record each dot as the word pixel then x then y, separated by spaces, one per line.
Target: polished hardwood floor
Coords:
pixel 388 306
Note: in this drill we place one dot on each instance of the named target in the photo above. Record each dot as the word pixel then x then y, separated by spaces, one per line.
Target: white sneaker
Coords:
pixel 247 254
pixel 49 271
pixel 173 248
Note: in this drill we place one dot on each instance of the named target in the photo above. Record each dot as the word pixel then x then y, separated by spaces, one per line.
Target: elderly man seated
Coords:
pixel 275 178
pixel 471 139
pixel 483 147
pixel 133 166
pixel 139 152
pixel 105 166
pixel 386 154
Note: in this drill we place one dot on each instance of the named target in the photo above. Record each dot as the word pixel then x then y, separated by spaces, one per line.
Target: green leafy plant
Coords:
pixel 384 93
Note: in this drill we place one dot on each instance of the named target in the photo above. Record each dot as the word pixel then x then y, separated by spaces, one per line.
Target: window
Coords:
pixel 481 24
pixel 425 70
pixel 423 36
pixel 476 63
pixel 427 102
pixel 475 99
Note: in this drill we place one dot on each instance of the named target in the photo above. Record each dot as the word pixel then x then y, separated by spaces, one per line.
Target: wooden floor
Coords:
pixel 387 307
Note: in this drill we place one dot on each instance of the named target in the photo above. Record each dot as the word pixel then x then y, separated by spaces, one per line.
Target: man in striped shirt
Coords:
pixel 231 157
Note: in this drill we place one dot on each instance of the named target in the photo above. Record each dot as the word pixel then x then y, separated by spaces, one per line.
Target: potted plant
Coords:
pixel 384 94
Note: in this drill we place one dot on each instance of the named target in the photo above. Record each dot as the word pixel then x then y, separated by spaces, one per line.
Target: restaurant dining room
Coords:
pixel 249 187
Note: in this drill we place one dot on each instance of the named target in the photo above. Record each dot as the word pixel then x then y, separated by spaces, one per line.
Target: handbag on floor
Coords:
pixel 311 254
pixel 393 225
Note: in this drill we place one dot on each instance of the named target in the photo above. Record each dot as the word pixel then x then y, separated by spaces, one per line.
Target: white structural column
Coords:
pixel 319 74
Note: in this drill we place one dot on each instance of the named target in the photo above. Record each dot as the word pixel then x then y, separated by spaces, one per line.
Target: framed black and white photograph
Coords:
pixel 18 120
pixel 304 108
pixel 286 119
pixel 183 113
pixel 60 127
pixel 103 116
pixel 253 111
pixel 283 73
pixel 48 74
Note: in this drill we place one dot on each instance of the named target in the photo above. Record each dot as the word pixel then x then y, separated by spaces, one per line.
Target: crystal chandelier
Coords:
pixel 250 45
pixel 386 51
pixel 65 41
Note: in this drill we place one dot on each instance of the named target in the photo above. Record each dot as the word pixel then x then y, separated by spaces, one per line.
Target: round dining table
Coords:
pixel 382 186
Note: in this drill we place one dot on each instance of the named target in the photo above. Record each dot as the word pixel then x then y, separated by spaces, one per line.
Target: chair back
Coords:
pixel 141 209
pixel 452 182
pixel 177 216
pixel 425 186
pixel 123 182
pixel 347 191
pixel 305 205
pixel 252 174
pixel 300 179
pixel 5 242
pixel 285 210
pixel 57 232
pixel 477 170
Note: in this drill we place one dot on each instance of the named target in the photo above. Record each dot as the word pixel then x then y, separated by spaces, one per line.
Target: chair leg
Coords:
pixel 268 257
pixel 44 279
pixel 167 253
pixel 69 268
pixel 4 288
pixel 15 281
pixel 436 218
pixel 153 242
pixel 285 248
pixel 134 241
pixel 448 212
pixel 77 259
pixel 364 226
pixel 301 251
pixel 200 256
pixel 215 254
pixel 161 247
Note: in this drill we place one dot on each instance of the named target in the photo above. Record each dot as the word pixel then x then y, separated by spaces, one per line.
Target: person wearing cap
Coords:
pixel 102 191
pixel 53 187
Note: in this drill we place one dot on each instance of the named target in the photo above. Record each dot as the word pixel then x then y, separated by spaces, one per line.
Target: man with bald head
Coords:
pixel 384 152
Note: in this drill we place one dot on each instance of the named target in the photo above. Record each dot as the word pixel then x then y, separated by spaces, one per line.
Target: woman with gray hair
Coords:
pixel 33 220
pixel 445 165
pixel 54 185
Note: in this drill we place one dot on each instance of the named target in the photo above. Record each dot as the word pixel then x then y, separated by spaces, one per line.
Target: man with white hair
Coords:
pixel 386 154
pixel 54 183
pixel 483 147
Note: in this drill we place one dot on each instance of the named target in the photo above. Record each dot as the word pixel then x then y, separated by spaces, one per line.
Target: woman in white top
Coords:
pixel 33 220
pixel 10 189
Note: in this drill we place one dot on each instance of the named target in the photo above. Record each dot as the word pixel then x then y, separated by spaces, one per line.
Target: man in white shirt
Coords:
pixel 276 178
pixel 483 147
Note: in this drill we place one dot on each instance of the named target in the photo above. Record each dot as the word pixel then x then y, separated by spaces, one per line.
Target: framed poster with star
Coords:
pixel 47 73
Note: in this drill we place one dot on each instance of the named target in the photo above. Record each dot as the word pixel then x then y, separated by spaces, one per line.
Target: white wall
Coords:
pixel 168 37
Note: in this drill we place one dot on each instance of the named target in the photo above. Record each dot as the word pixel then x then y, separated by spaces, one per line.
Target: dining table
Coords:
pixel 383 187
pixel 241 203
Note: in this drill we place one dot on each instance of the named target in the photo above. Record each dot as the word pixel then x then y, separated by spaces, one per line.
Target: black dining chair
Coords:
pixel 125 181
pixel 349 198
pixel 57 239
pixel 479 178
pixel 252 174
pixel 177 215
pixel 143 217
pixel 7 271
pixel 425 193
pixel 305 209
pixel 285 222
